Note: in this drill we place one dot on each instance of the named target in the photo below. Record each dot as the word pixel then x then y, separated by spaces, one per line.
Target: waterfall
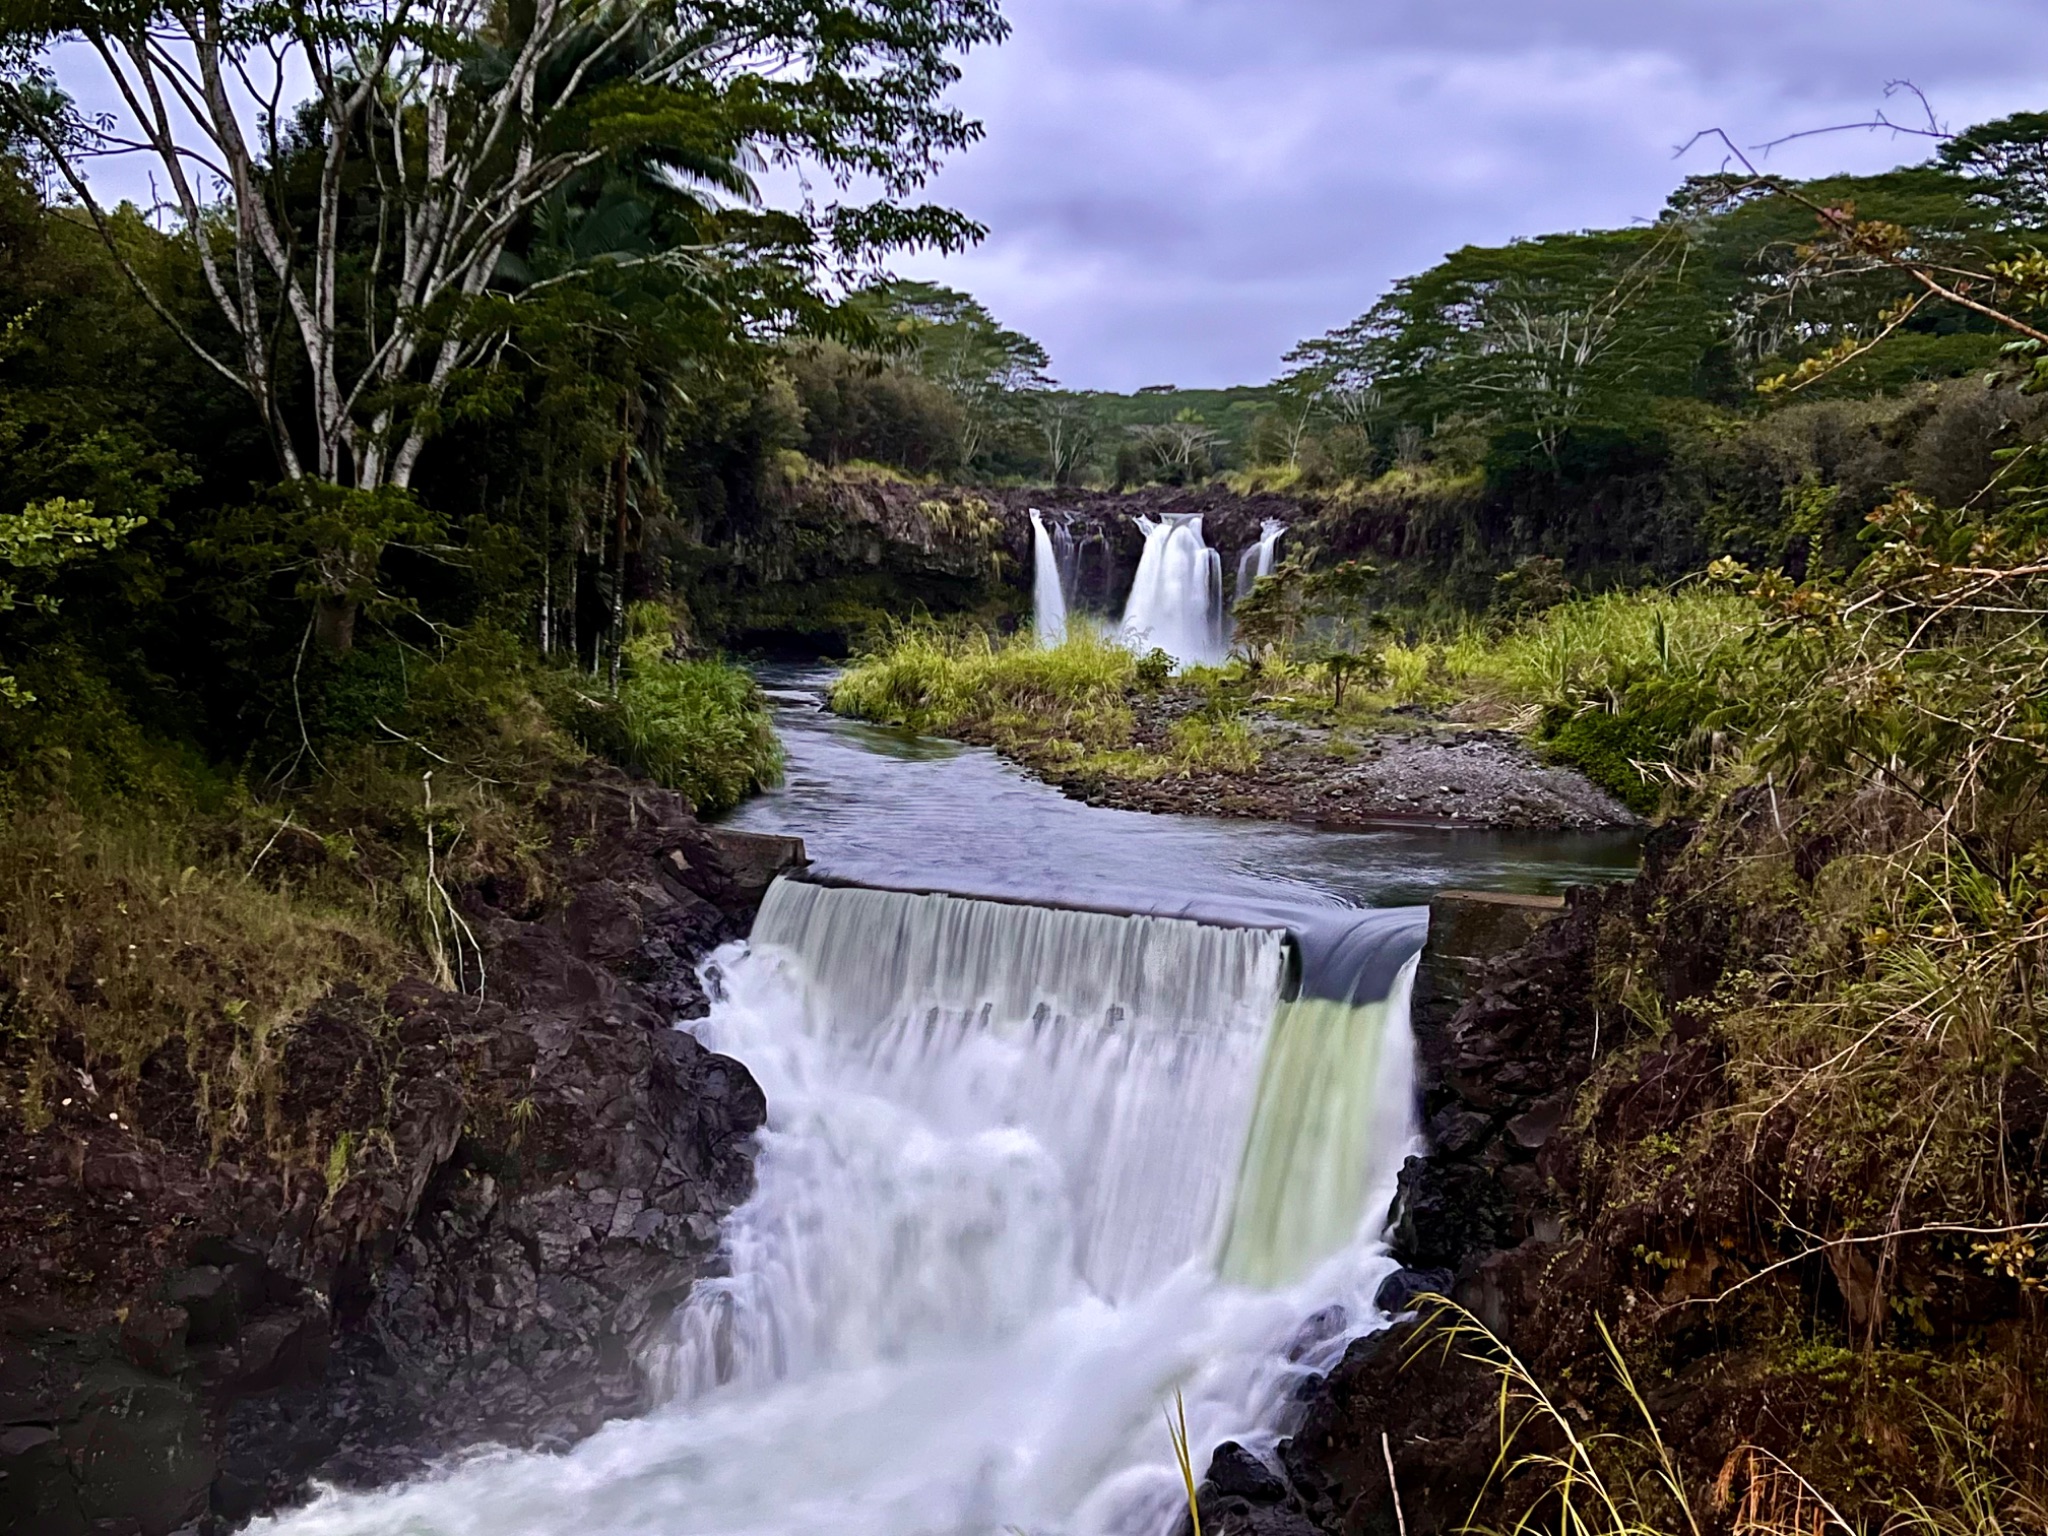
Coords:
pixel 1257 559
pixel 1048 585
pixel 1028 1171
pixel 1176 601
pixel 1327 1128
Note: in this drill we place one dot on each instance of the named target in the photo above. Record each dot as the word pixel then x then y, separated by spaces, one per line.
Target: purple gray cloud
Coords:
pixel 1177 190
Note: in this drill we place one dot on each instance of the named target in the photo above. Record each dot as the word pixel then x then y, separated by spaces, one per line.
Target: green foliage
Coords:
pixel 34 543
pixel 857 408
pixel 1623 749
pixel 45 535
pixel 1536 583
pixel 698 727
pixel 927 679
pixel 1590 652
pixel 1222 745
pixel 1344 667
pixel 1154 670
pixel 1298 602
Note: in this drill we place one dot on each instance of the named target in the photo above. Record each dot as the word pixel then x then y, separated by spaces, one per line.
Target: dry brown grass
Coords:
pixel 120 942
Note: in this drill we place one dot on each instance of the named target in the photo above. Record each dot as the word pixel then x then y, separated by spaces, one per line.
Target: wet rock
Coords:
pixel 1456 1130
pixel 1233 1517
pixel 210 1301
pixel 1531 1129
pixel 1444 1211
pixel 1235 1472
pixel 111 1448
pixel 1316 1330
pixel 1398 1291
pixel 153 1337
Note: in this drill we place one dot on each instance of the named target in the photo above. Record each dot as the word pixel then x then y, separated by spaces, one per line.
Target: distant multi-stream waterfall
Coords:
pixel 1176 602
pixel 1028 1172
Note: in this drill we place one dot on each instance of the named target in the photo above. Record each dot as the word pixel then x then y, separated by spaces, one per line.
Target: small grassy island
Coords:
pixel 1613 686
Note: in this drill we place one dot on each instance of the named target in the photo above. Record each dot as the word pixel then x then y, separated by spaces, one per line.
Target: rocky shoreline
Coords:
pixel 1413 769
pixel 541 1178
pixel 1507 1034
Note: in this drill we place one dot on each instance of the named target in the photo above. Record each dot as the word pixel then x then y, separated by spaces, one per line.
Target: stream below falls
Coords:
pixel 1028 1171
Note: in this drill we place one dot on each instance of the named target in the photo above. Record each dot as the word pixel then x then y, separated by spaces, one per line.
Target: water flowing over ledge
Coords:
pixel 1028 1170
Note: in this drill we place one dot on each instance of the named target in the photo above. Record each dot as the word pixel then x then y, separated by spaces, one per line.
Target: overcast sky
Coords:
pixel 1178 190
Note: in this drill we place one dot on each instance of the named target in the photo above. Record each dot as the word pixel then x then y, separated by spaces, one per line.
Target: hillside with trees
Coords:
pixel 381 508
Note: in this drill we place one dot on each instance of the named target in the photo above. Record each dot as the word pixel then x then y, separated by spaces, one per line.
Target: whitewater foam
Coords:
pixel 1007 1146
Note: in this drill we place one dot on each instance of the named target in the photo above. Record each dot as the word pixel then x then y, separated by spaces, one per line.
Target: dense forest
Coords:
pixel 439 449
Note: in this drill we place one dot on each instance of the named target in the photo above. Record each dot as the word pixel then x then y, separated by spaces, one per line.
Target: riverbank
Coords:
pixel 1268 739
pixel 1405 768
pixel 345 1128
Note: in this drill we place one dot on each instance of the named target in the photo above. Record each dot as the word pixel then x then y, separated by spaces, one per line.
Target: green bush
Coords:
pixel 697 727
pixel 1592 649
pixel 926 679
pixel 1622 750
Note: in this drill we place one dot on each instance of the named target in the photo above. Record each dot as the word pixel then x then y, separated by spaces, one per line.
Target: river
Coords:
pixel 1029 1172
pixel 882 805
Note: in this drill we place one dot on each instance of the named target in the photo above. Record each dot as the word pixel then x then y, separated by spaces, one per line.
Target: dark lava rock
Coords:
pixel 1444 1211
pixel 1234 1517
pixel 1235 1472
pixel 1399 1290
pixel 551 1165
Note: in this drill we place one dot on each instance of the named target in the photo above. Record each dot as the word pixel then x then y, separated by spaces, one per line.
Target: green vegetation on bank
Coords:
pixel 209 905
pixel 1622 686
pixel 341 533
pixel 1064 701
pixel 697 726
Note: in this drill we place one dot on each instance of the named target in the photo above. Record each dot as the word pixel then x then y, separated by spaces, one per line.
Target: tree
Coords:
pixel 1179 450
pixel 2007 161
pixel 950 338
pixel 1069 430
pixel 352 249
pixel 1536 337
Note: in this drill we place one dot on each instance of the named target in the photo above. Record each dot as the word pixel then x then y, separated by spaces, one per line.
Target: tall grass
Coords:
pixel 1567 1477
pixel 1558 1470
pixel 699 727
pixel 1592 649
pixel 126 938
pixel 928 679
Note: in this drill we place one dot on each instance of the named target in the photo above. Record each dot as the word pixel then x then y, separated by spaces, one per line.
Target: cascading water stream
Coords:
pixel 1176 602
pixel 1028 1171
pixel 1048 585
pixel 1258 559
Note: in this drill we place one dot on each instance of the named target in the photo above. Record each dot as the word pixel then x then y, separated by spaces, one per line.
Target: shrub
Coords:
pixel 1225 745
pixel 1589 651
pixel 927 679
pixel 697 727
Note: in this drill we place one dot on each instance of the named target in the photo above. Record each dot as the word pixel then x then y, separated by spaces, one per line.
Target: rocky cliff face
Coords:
pixel 540 1179
pixel 1605 1172
pixel 837 552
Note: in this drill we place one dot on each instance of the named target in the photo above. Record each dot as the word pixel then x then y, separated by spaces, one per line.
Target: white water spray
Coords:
pixel 1048 585
pixel 1007 1147
pixel 1176 602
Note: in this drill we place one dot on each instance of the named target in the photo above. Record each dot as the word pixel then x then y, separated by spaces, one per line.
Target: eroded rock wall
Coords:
pixel 541 1180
